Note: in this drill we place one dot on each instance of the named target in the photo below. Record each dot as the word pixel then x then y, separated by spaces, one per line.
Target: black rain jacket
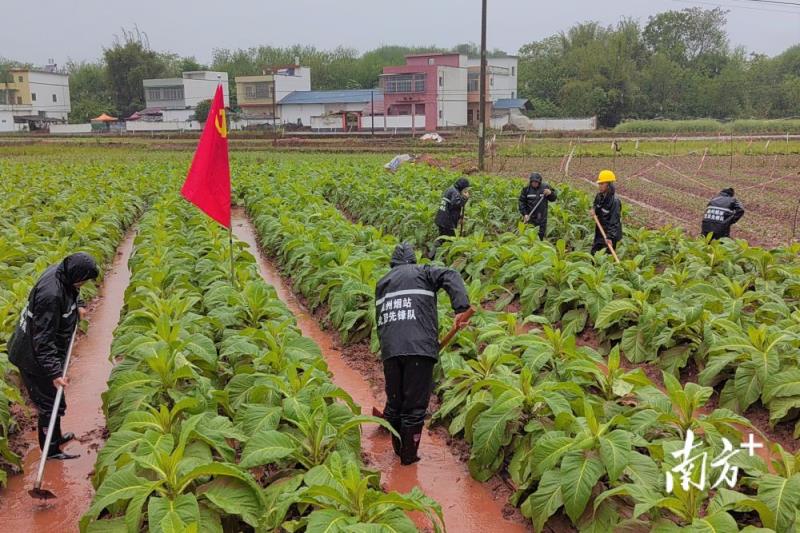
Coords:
pixel 451 207
pixel 609 211
pixel 722 212
pixel 41 339
pixel 405 305
pixel 530 196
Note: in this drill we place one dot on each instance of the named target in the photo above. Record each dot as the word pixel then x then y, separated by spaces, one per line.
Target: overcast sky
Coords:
pixel 79 29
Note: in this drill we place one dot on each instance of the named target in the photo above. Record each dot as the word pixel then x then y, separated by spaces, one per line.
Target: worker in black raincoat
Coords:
pixel 408 329
pixel 722 212
pixel 40 342
pixel 451 211
pixel 608 209
pixel 533 202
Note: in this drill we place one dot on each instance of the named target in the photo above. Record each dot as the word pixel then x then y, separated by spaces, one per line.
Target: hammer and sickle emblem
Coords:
pixel 221 124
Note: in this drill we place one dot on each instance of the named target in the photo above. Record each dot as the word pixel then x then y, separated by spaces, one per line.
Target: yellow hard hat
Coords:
pixel 606 176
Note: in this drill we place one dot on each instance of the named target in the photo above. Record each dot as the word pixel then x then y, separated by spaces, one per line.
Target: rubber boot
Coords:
pixel 410 437
pixel 55 451
pixel 396 443
pixel 395 423
pixel 61 438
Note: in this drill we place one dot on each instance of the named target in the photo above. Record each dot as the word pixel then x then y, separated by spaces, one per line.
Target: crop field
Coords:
pixel 570 397
pixel 665 190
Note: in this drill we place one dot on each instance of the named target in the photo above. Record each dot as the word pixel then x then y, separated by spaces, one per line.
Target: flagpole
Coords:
pixel 230 241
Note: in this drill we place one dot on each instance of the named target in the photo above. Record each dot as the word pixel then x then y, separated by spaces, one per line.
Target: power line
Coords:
pixel 778 2
pixel 761 9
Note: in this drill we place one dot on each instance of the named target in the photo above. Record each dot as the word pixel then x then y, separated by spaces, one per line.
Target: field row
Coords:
pixel 583 412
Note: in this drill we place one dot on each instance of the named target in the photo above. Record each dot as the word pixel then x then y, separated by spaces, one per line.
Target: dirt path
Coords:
pixel 467 504
pixel 88 373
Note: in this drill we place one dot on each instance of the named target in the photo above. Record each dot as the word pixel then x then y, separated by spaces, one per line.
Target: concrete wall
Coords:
pixel 392 122
pixel 6 121
pixel 522 122
pixel 245 123
pixel 195 91
pixel 451 98
pixel 390 100
pixel 289 113
pixel 329 123
pixel 450 60
pixel 142 126
pixel 301 81
pixel 500 85
pixel 48 85
pixel 177 115
pixel 65 129
pixel 565 124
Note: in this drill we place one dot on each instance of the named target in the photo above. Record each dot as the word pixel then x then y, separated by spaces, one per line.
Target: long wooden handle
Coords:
pixel 603 233
pixel 456 327
pixel 54 416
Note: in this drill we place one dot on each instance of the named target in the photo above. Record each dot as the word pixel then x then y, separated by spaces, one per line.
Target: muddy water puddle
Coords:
pixel 467 504
pixel 88 373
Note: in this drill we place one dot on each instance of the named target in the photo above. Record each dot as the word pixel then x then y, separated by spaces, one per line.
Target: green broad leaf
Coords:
pixel 172 523
pixel 392 521
pixel 783 384
pixel 267 447
pixel 234 497
pixel 603 520
pixel 641 421
pixel 549 450
pixel 329 521
pixel 254 418
pixel 715 365
pixel 636 345
pixel 747 385
pixel 782 497
pixel 615 449
pixel 714 523
pixel 579 474
pixel 210 521
pixel 543 503
pixel 122 485
pixel 491 433
pixel 643 470
pixel 113 525
pixel 614 311
pixel 574 321
pixel 184 508
pixel 279 497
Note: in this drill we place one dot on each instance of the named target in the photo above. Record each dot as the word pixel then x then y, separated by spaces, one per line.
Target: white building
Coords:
pixel 329 110
pixel 257 96
pixel 451 98
pixel 176 98
pixel 502 74
pixel 33 98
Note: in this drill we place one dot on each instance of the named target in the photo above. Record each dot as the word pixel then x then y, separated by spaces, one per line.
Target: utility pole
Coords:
pixel 482 104
pixel 372 111
pixel 274 111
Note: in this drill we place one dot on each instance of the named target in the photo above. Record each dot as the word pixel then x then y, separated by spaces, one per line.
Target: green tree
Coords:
pixel 90 94
pixel 202 110
pixel 689 34
pixel 128 63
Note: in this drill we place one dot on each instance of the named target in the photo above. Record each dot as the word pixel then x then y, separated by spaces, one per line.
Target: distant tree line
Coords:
pixel 678 65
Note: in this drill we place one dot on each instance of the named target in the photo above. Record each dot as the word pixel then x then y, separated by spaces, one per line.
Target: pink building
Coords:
pixel 429 92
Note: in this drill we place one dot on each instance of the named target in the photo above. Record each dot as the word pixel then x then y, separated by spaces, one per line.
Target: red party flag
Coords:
pixel 208 184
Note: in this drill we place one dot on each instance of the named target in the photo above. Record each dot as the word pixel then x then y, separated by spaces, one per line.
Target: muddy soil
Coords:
pixel 88 373
pixel 467 504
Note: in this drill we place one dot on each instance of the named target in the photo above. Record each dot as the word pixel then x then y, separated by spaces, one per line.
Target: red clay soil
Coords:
pixel 88 373
pixel 467 504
